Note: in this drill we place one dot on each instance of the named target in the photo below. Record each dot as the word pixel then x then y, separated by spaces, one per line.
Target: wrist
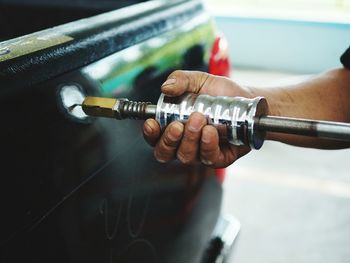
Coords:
pixel 275 99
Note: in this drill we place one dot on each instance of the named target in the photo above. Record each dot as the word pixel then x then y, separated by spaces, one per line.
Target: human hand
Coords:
pixel 196 140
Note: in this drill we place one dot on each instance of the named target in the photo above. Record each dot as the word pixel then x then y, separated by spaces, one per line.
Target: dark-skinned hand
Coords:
pixel 195 141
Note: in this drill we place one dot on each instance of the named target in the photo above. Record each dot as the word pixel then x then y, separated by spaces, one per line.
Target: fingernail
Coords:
pixel 169 82
pixel 176 131
pixel 148 128
pixel 159 159
pixel 195 124
pixel 206 162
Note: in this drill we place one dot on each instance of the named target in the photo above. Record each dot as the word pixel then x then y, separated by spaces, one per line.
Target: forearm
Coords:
pixel 325 97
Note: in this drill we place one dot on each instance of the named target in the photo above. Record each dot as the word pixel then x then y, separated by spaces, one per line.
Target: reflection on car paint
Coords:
pixel 70 96
pixel 115 74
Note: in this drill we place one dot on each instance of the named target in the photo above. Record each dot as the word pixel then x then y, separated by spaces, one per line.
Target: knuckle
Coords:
pixel 191 136
pixel 193 130
pixel 173 135
pixel 163 152
pixel 169 142
pixel 207 151
pixel 210 154
pixel 176 72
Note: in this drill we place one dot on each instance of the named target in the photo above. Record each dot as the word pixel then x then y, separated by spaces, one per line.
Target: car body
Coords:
pixel 90 190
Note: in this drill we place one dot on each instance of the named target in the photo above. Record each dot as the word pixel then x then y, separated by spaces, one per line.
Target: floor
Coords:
pixel 293 203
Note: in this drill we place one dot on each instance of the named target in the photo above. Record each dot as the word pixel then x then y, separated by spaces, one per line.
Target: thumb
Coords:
pixel 181 81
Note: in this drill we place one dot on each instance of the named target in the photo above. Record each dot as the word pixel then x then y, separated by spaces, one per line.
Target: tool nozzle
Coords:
pixel 99 107
pixel 118 108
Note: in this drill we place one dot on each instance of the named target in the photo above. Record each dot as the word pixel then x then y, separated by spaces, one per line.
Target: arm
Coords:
pixel 325 98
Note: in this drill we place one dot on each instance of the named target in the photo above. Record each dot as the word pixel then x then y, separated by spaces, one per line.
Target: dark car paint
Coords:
pixel 93 39
pixel 91 191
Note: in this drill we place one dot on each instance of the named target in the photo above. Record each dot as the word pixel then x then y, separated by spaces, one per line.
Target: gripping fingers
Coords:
pixel 209 146
pixel 189 147
pixel 166 147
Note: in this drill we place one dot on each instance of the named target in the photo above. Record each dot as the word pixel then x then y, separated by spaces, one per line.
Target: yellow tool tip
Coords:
pixel 99 107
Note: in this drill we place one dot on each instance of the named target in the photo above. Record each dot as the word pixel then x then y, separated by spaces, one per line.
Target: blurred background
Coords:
pixel 302 36
pixel 293 203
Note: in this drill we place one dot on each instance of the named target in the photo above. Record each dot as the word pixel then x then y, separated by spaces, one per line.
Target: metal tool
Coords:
pixel 240 120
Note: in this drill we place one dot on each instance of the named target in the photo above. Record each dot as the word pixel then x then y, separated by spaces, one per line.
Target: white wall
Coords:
pixel 284 45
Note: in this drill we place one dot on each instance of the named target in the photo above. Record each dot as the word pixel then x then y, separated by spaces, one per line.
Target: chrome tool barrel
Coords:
pixel 233 117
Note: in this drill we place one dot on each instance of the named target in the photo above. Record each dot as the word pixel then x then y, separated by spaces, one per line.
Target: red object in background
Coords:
pixel 220 174
pixel 219 64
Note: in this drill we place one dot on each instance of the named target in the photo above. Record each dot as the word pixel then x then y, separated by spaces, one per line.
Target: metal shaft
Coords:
pixel 320 129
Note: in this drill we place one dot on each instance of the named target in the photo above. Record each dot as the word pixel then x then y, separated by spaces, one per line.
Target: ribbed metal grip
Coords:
pixel 232 116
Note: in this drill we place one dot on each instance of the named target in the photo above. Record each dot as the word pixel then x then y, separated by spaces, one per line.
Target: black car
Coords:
pixel 77 189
